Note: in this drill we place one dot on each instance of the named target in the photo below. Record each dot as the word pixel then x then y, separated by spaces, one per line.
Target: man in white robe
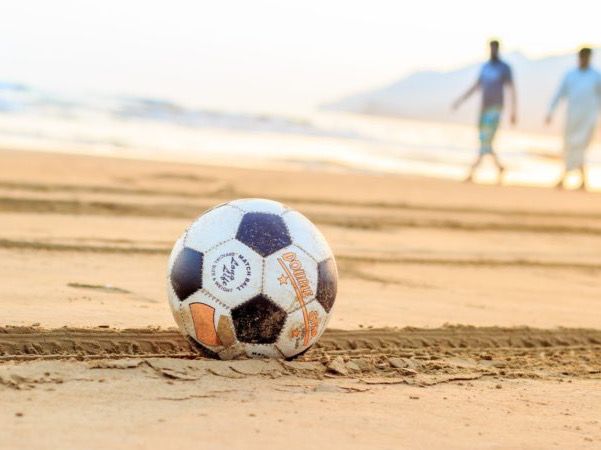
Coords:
pixel 581 87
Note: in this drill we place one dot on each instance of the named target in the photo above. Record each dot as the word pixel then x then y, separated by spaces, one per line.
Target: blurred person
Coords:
pixel 494 76
pixel 581 87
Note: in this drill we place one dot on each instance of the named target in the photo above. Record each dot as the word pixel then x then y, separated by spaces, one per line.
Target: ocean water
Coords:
pixel 154 129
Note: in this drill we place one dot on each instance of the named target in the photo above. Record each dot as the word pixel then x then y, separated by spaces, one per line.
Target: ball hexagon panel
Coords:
pixel 265 233
pixel 207 321
pixel 177 248
pixel 186 273
pixel 262 351
pixel 327 283
pixel 232 273
pixel 235 351
pixel 174 304
pixel 306 235
pixel 258 321
pixel 216 226
pixel 290 278
pixel 171 295
pixel 302 329
pixel 259 205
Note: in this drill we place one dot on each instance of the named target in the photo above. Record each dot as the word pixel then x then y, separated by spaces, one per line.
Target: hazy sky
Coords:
pixel 269 55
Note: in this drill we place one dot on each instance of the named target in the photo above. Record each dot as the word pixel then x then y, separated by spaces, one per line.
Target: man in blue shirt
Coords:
pixel 494 76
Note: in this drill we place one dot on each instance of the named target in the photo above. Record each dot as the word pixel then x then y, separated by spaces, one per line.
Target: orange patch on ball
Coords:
pixel 203 317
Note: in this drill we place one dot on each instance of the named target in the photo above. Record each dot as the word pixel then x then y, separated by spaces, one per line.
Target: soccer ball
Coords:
pixel 252 278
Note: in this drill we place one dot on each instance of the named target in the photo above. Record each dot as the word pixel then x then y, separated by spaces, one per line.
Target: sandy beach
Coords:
pixel 467 316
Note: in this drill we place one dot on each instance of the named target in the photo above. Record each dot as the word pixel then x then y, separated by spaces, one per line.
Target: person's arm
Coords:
pixel 514 101
pixel 599 89
pixel 561 93
pixel 457 103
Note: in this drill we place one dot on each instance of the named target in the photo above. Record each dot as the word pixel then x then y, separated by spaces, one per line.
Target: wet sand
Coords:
pixel 84 243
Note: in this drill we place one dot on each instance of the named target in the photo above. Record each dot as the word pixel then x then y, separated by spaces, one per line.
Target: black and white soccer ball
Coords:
pixel 252 278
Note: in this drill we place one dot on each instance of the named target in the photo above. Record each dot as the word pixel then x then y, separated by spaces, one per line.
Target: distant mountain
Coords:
pixel 428 95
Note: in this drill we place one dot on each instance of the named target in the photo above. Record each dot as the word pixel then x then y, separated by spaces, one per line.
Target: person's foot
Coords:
pixel 501 173
pixel 469 178
pixel 559 185
pixel 582 187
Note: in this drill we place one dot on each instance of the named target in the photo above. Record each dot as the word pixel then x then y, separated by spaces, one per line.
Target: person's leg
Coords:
pixel 500 166
pixel 583 178
pixel 489 123
pixel 473 167
pixel 578 135
pixel 562 178
pixel 567 163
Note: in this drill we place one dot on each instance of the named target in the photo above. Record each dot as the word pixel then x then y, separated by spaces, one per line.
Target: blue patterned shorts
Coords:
pixel 489 122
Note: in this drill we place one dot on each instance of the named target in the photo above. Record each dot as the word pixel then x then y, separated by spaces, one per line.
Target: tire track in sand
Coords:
pixel 375 356
pixel 33 342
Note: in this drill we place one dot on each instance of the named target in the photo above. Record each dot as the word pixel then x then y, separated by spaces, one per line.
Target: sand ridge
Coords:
pixel 450 353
